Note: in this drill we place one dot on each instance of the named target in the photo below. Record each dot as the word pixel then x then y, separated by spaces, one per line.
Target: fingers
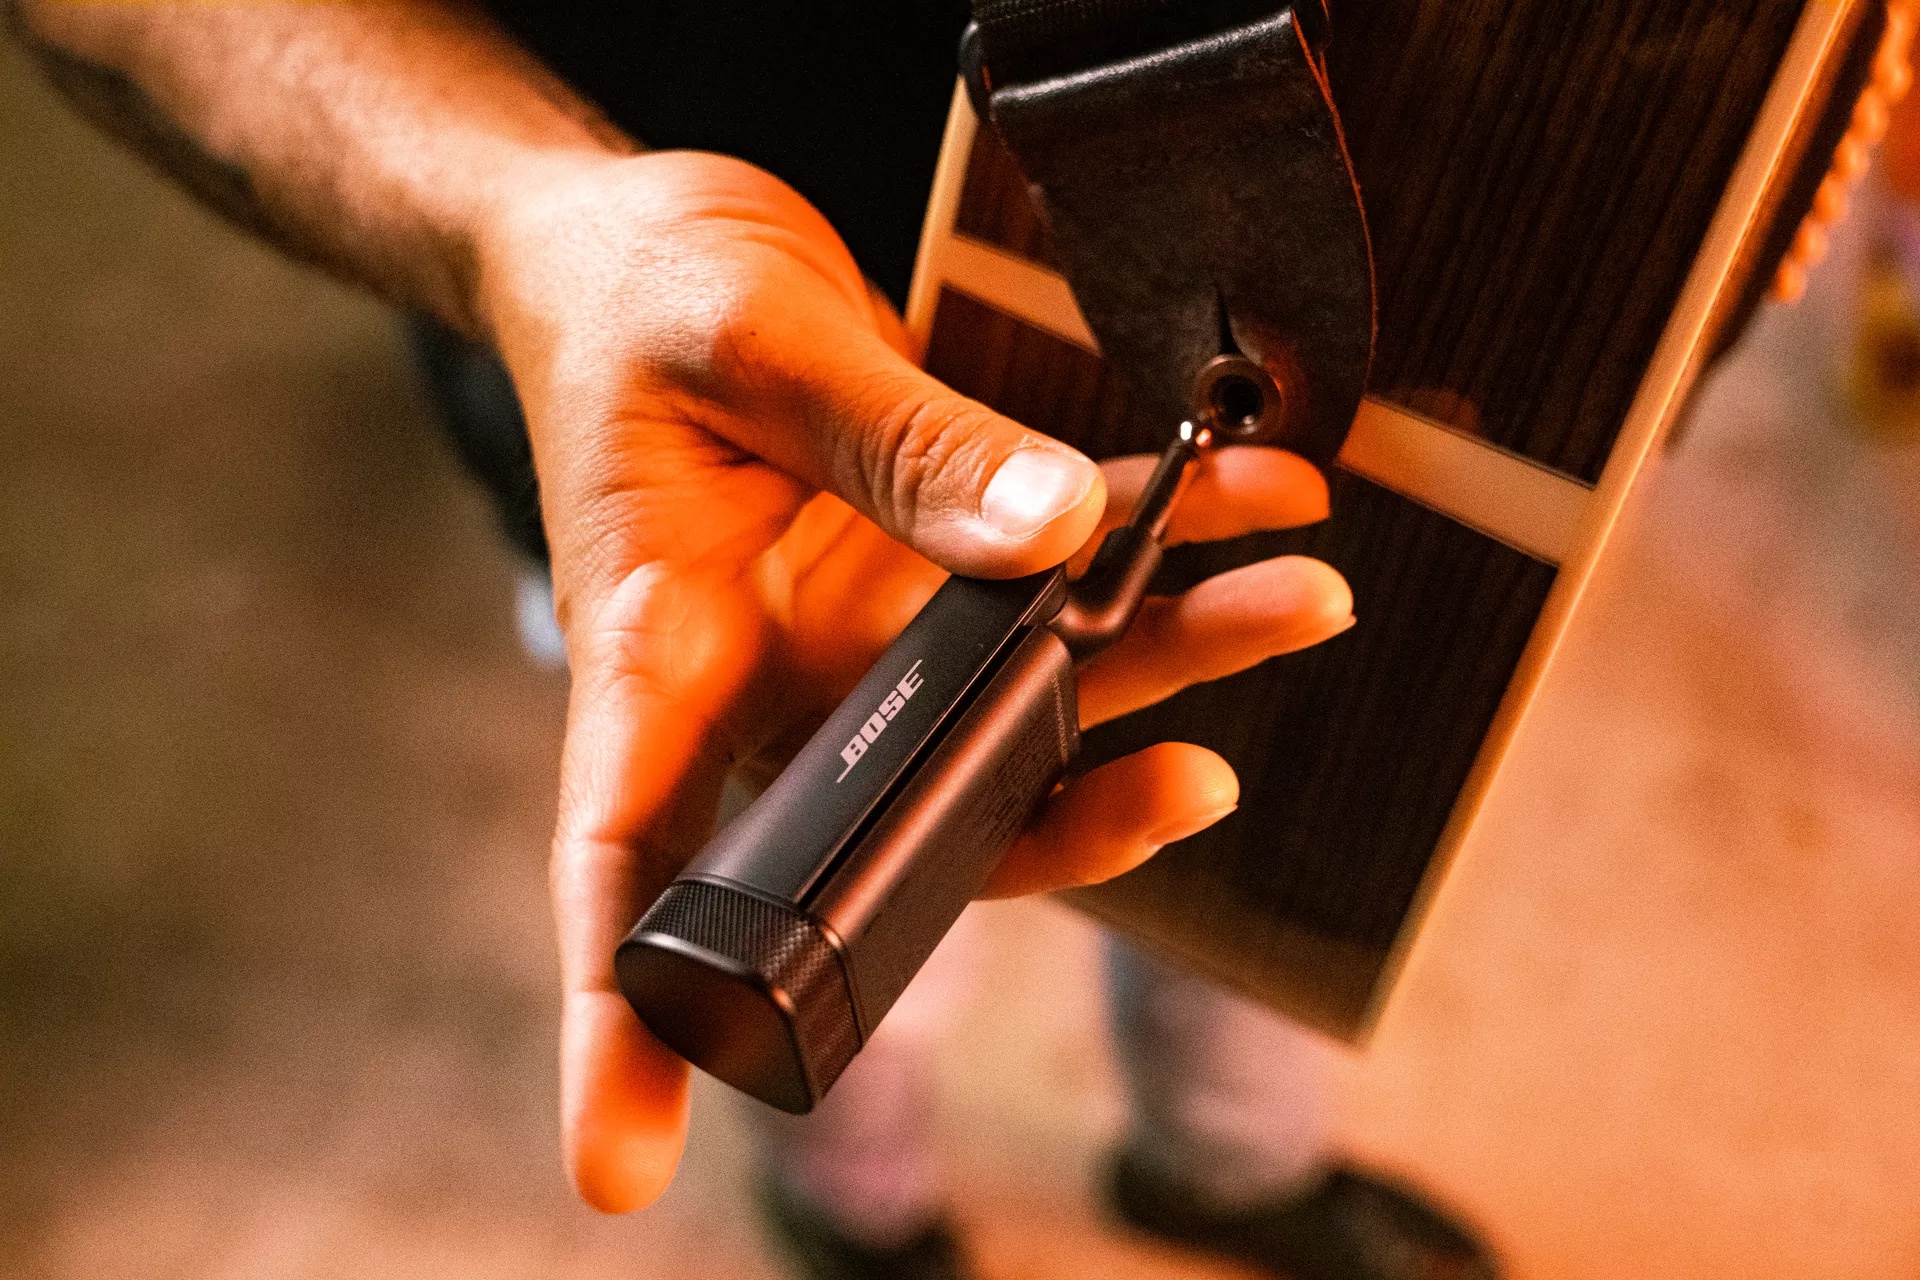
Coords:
pixel 656 666
pixel 970 490
pixel 1225 624
pixel 623 1108
pixel 1236 490
pixel 822 393
pixel 1116 817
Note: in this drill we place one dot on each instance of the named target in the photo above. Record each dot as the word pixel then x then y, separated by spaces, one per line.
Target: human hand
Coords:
pixel 749 490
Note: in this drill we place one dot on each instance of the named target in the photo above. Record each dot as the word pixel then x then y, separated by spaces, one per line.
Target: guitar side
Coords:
pixel 1571 204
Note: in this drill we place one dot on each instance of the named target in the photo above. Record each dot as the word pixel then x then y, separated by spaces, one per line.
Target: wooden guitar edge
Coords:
pixel 1677 363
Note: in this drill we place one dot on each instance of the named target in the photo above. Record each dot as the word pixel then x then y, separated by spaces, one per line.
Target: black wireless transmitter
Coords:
pixel 776 952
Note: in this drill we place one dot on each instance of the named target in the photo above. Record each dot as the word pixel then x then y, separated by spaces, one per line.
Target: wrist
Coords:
pixel 518 286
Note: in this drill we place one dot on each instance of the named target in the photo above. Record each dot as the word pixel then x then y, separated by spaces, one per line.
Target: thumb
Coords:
pixel 975 492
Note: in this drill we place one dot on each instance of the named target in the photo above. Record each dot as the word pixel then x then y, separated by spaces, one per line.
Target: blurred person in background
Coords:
pixel 700 354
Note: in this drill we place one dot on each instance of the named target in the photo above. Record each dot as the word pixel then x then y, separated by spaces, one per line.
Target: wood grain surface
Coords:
pixel 1538 180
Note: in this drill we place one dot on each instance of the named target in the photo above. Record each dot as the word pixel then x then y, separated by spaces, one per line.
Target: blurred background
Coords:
pixel 276 975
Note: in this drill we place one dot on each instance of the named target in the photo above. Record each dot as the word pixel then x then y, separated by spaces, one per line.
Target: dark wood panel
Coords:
pixel 1532 289
pixel 996 207
pixel 1350 754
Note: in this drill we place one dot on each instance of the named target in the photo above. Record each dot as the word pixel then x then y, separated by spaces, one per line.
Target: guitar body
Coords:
pixel 1571 205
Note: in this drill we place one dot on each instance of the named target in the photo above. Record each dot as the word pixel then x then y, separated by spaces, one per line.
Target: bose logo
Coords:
pixel 890 706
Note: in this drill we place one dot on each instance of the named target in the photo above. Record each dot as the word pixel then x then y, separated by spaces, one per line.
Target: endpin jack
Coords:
pixel 1234 399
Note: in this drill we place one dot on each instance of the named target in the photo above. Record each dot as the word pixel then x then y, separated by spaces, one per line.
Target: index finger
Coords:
pixel 1236 490
pixel 656 667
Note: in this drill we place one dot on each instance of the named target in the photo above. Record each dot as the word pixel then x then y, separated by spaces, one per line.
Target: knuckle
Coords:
pixel 916 453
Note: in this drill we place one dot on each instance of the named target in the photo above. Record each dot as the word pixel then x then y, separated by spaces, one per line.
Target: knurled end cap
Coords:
pixel 749 990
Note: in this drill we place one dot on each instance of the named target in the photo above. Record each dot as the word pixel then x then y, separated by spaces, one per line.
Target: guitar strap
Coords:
pixel 1188 161
pixel 1028 40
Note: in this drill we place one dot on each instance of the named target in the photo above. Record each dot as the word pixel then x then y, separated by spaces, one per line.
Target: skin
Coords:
pixel 749 487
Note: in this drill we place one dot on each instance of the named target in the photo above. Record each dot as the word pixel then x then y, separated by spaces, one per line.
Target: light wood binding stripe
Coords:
pixel 943 206
pixel 1533 509
pixel 1009 283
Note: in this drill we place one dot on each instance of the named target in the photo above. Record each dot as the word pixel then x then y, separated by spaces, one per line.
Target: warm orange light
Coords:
pixel 1877 115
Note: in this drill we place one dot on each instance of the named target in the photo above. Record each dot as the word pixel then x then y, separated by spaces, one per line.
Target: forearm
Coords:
pixel 374 138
